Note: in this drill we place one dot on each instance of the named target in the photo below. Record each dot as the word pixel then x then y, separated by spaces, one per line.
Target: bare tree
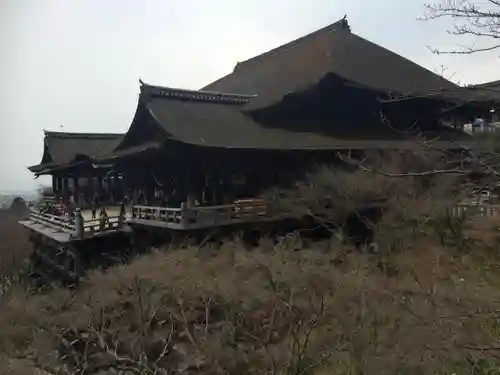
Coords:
pixel 479 19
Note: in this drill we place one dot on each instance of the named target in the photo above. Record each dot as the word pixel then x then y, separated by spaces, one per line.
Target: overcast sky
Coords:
pixel 74 65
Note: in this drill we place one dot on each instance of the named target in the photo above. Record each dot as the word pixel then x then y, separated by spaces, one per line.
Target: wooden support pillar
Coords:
pixel 190 188
pixel 116 188
pixel 121 218
pixel 223 189
pixel 76 190
pixel 91 188
pixel 99 183
pixel 60 186
pixel 120 191
pixel 65 189
pixel 111 188
pixel 54 185
pixel 79 230
pixel 59 192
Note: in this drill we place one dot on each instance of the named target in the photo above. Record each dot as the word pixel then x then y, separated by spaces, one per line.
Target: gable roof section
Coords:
pixel 211 119
pixel 144 128
pixel 489 90
pixel 334 49
pixel 62 148
pixel 492 84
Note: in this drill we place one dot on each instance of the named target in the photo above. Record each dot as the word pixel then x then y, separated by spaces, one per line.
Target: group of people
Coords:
pixel 68 209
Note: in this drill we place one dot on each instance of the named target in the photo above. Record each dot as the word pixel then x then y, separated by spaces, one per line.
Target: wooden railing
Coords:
pixel 78 228
pixel 242 211
pixel 98 226
pixel 55 222
pixel 163 214
pixel 203 216
pixel 476 210
pixel 253 210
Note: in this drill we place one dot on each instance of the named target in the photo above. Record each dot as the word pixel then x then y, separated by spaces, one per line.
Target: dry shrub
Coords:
pixel 258 312
pixel 395 212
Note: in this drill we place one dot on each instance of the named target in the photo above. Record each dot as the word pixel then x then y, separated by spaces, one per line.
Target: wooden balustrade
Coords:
pixel 52 221
pixel 79 228
pixel 248 210
pixel 98 226
pixel 242 211
pixel 251 210
pixel 163 214
pixel 476 210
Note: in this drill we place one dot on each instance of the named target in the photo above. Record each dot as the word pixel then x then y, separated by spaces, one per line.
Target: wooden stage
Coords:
pixel 63 230
pixel 200 217
pixel 249 211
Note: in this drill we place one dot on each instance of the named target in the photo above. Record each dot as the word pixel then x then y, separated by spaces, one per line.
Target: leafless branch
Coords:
pixel 360 164
pixel 480 20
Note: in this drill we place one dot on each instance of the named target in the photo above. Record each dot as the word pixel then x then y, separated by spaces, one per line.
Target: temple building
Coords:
pixel 67 157
pixel 203 163
pixel 266 124
pixel 493 88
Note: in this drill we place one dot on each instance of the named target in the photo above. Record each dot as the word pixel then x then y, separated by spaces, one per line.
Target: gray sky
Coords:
pixel 77 63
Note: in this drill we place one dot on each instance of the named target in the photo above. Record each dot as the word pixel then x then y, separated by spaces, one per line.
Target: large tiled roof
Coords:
pixel 220 115
pixel 214 119
pixel 62 147
pixel 301 63
pixel 492 84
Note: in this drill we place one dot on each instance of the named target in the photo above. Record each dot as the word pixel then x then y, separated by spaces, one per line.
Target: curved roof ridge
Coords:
pixel 196 95
pixel 59 134
pixel 486 84
pixel 145 86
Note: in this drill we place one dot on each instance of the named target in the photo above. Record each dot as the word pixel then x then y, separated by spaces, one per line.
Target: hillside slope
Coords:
pixel 327 310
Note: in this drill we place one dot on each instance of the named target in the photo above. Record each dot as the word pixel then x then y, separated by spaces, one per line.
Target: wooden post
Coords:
pixel 184 218
pixel 76 190
pixel 54 185
pixel 190 200
pixel 103 219
pixel 65 189
pixel 79 223
pixel 121 218
pixel 60 187
pixel 111 188
pixel 99 185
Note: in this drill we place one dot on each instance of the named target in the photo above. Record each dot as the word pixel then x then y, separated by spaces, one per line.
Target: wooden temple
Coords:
pixel 199 158
pixel 67 157
pixel 492 88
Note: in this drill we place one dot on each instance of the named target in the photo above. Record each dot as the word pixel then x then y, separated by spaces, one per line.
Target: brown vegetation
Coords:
pixel 426 303
pixel 282 312
pixel 14 242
